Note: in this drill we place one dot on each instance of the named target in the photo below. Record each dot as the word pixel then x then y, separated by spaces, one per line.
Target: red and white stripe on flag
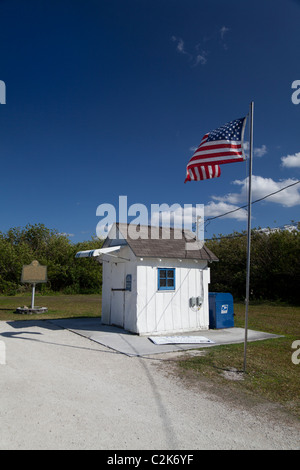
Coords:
pixel 199 173
pixel 223 145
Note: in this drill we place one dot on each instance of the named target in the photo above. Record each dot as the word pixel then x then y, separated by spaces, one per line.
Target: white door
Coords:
pixel 117 307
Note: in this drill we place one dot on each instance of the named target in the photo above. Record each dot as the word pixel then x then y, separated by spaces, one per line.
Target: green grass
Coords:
pixel 59 306
pixel 270 372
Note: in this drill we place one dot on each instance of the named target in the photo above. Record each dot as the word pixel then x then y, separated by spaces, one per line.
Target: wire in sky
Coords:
pixel 253 202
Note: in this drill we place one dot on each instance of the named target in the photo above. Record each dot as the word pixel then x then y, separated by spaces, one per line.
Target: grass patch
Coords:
pixel 270 372
pixel 59 306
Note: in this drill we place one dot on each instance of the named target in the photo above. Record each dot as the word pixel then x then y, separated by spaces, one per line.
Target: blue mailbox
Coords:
pixel 220 310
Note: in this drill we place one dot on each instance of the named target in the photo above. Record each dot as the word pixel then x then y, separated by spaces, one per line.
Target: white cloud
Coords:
pixel 257 151
pixel 262 187
pixel 287 228
pixel 246 147
pixel 213 209
pixel 260 151
pixel 180 45
pixel 291 161
pixel 199 57
pixel 175 215
pixel 224 30
pixel 64 234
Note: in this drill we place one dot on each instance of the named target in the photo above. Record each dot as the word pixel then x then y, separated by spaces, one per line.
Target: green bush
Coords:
pixel 274 269
pixel 274 273
pixel 52 249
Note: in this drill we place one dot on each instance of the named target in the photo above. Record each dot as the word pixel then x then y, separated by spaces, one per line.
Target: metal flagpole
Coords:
pixel 248 232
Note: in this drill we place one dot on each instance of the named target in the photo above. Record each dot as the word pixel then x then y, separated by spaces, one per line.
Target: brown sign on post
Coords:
pixel 34 273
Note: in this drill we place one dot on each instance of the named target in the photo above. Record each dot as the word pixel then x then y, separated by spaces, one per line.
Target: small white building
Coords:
pixel 155 280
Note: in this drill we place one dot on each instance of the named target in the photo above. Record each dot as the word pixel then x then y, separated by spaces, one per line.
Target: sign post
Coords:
pixel 33 273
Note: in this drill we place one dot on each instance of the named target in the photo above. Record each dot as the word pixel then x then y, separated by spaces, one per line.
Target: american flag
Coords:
pixel 223 145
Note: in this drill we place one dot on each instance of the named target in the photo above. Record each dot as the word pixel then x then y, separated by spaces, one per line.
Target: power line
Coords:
pixel 253 202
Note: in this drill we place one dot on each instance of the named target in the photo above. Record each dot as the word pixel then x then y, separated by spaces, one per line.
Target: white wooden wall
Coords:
pixel 119 307
pixel 146 310
pixel 169 311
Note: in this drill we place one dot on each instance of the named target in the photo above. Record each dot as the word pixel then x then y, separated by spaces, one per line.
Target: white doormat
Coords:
pixel 179 339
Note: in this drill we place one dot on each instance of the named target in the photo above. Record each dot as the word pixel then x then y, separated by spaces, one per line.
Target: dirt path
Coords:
pixel 60 390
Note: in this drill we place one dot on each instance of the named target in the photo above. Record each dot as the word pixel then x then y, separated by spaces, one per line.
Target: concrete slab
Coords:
pixel 131 344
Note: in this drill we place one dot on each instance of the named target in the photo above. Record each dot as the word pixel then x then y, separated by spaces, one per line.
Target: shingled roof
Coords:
pixel 168 243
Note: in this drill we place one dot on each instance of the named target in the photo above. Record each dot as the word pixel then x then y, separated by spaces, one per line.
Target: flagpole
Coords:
pixel 248 232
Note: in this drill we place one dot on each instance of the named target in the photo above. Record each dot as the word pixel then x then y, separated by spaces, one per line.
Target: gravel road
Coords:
pixel 60 390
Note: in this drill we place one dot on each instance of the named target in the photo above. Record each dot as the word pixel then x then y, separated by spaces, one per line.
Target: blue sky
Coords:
pixel 108 97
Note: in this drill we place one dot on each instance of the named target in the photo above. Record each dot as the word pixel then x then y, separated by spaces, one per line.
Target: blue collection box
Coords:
pixel 220 310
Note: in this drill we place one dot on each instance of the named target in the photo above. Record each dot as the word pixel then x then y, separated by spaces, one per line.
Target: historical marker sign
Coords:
pixel 34 273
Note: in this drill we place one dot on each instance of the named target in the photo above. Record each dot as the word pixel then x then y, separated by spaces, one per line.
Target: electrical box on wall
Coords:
pixel 196 301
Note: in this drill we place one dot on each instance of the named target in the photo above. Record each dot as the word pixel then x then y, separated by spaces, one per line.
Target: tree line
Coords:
pixel 65 274
pixel 274 270
pixel 274 273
